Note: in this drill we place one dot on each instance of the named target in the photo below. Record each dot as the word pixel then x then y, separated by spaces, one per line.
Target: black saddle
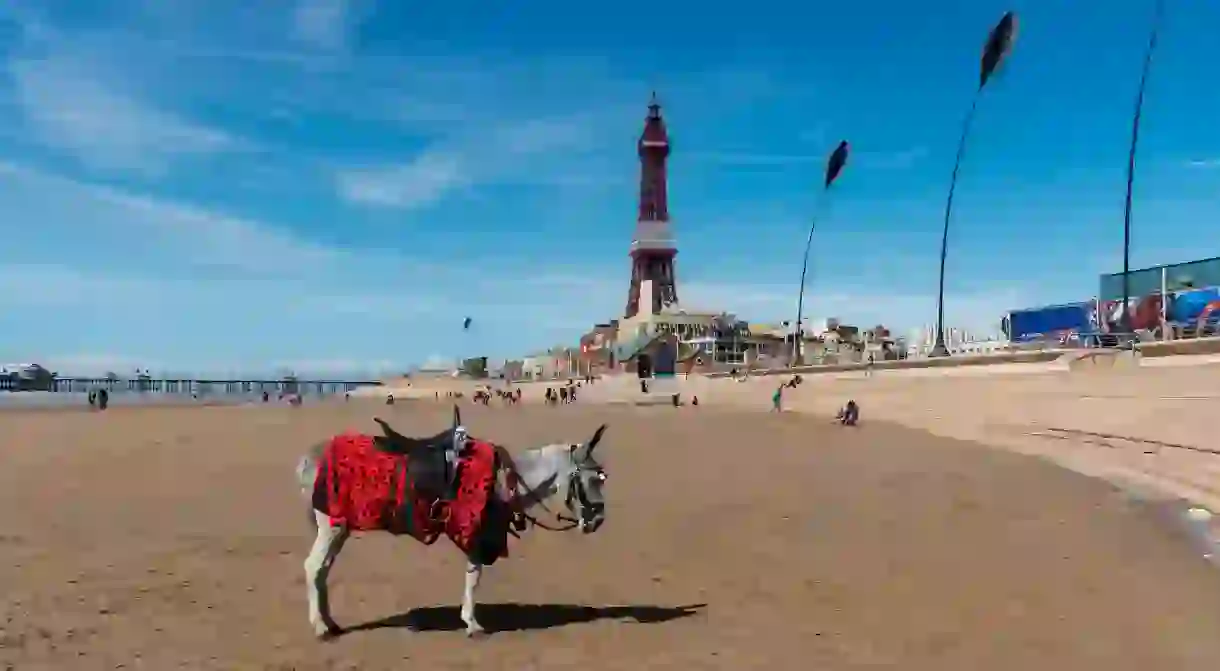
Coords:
pixel 427 465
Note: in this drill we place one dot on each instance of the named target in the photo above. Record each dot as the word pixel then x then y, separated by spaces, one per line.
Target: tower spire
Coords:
pixel 652 250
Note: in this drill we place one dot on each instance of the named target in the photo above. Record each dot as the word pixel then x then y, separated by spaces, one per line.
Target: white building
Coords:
pixel 959 341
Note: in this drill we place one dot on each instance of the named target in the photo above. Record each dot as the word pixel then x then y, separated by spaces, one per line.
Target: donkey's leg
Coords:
pixel 321 558
pixel 474 572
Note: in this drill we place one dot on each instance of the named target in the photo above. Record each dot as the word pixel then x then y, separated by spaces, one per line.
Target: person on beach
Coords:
pixel 777 399
pixel 849 414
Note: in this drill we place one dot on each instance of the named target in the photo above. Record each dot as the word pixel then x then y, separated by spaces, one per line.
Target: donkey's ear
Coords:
pixel 597 437
pixel 386 428
pixel 457 416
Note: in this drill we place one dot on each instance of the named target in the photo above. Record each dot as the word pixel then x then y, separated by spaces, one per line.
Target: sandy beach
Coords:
pixel 173 538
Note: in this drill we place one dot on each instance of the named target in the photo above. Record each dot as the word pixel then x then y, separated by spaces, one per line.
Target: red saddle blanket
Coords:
pixel 366 489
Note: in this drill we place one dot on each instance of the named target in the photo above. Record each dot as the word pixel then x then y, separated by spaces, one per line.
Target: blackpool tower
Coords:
pixel 652 248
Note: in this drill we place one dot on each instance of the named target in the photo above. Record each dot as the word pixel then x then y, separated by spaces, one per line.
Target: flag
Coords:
pixel 834 165
pixel 999 43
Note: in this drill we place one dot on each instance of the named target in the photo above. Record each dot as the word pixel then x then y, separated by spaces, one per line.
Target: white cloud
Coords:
pixel 499 154
pixel 419 183
pixel 72 107
pixel 754 158
pixel 1204 163
pixel 26 285
pixel 103 220
pixel 323 23
pixel 206 267
pixel 893 160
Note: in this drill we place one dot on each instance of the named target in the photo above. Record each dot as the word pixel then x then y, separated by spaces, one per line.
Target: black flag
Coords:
pixel 999 43
pixel 834 165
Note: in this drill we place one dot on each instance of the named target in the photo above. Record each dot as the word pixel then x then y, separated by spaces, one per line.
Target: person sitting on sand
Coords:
pixel 849 414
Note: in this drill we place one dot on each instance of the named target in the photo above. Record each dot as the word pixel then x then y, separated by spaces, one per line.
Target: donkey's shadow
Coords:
pixel 503 617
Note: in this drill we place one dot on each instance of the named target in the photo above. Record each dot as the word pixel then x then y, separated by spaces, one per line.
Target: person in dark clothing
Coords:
pixel 849 414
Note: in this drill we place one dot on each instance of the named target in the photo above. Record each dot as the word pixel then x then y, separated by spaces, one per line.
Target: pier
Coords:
pixel 185 386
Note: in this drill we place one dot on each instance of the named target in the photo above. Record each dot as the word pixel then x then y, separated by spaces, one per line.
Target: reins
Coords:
pixel 571 523
pixel 513 481
pixel 573 484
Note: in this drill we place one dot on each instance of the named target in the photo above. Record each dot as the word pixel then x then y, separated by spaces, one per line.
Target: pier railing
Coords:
pixel 188 386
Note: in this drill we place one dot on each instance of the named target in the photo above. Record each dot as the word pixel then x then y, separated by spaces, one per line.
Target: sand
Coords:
pixel 173 538
pixel 1150 428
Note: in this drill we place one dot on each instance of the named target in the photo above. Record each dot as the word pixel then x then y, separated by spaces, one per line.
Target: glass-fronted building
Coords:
pixel 1198 274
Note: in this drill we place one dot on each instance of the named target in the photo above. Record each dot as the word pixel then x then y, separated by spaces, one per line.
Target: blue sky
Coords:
pixel 332 185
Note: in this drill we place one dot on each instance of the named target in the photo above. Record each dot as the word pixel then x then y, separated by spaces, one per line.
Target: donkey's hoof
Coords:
pixel 328 633
pixel 476 632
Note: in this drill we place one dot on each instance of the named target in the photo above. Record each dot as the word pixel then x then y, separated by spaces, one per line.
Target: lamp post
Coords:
pixel 1135 136
pixel 999 43
pixel 834 165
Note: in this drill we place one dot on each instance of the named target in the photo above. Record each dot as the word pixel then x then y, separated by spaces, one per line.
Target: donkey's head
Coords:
pixel 583 489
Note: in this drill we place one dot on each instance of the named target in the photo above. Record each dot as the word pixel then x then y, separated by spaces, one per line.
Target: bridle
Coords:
pixel 576 490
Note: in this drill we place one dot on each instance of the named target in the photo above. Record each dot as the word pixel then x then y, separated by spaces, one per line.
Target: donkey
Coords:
pixel 567 472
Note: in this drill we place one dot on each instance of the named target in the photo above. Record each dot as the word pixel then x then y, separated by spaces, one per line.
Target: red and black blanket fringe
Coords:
pixel 367 489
